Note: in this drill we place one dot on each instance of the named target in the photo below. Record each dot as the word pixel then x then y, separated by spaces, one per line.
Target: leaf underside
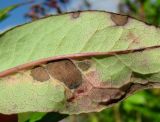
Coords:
pixel 76 62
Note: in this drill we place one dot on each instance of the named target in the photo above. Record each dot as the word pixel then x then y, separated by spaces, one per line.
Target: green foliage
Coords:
pixel 4 13
pixel 147 10
pixel 30 116
pixel 40 117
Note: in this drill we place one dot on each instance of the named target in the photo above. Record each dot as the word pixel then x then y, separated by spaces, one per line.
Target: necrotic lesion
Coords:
pixel 84 65
pixel 40 74
pixel 66 72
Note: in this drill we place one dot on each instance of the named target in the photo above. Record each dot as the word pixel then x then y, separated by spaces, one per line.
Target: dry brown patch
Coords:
pixel 133 37
pixel 75 15
pixel 39 74
pixel 119 20
pixel 66 72
pixel 84 65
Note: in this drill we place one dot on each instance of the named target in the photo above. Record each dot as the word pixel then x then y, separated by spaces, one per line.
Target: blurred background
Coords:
pixel 143 106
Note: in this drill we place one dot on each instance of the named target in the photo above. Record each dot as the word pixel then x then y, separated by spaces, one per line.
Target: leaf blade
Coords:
pixel 117 55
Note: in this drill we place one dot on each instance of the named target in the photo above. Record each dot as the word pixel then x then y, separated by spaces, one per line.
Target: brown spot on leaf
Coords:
pixel 115 96
pixel 136 87
pixel 99 95
pixel 84 65
pixel 75 14
pixel 126 87
pixel 84 103
pixel 66 72
pixel 39 74
pixel 80 91
pixel 119 20
pixel 131 36
pixel 126 90
pixel 71 99
pixel 106 95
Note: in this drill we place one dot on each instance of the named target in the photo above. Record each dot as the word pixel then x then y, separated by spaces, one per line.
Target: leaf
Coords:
pixel 53 116
pixel 30 116
pixel 40 117
pixel 4 13
pixel 76 62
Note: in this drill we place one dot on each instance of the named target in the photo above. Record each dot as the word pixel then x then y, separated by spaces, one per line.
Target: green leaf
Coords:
pixel 53 116
pixel 4 12
pixel 76 62
pixel 30 117
pixel 40 117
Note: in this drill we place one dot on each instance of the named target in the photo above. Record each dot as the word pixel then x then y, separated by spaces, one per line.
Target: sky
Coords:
pixel 17 16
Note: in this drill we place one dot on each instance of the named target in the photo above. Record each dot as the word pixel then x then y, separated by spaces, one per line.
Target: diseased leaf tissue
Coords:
pixel 76 62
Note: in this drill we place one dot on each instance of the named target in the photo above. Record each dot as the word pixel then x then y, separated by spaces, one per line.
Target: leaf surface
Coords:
pixel 76 62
